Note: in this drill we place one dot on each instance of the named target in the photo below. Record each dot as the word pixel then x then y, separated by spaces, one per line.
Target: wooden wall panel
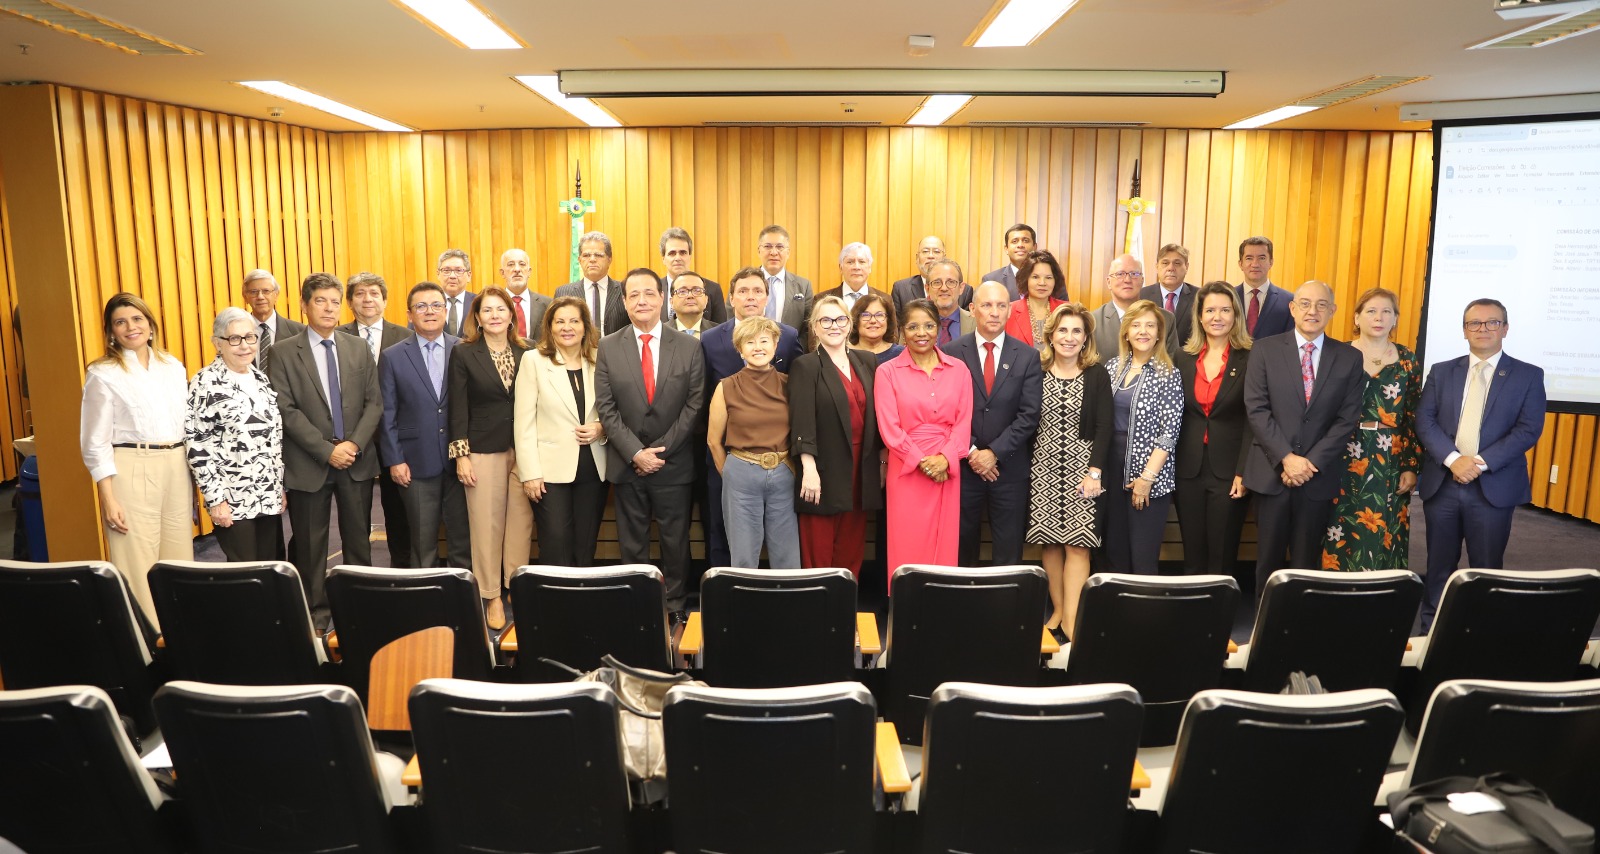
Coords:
pixel 15 419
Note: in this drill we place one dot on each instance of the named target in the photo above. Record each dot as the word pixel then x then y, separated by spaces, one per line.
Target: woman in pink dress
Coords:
pixel 924 403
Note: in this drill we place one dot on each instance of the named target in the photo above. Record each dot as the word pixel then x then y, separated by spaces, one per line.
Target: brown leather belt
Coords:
pixel 769 460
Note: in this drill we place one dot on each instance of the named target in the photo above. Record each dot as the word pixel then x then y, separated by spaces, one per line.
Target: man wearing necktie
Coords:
pixel 677 256
pixel 455 276
pixel 261 297
pixel 596 288
pixel 1266 306
pixel 855 266
pixel 368 296
pixel 327 387
pixel 1173 294
pixel 1480 413
pixel 787 294
pixel 1302 394
pixel 527 307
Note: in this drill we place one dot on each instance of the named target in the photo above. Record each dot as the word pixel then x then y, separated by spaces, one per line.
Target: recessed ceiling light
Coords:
pixel 327 105
pixel 1270 117
pixel 586 111
pixel 938 109
pixel 463 22
pixel 1022 22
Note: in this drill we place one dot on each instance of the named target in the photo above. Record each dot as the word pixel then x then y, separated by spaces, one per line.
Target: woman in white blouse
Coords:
pixel 235 437
pixel 132 441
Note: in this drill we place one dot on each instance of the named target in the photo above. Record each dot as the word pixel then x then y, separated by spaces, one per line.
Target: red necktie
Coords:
pixel 1253 313
pixel 1172 303
pixel 1307 375
pixel 988 368
pixel 522 319
pixel 647 363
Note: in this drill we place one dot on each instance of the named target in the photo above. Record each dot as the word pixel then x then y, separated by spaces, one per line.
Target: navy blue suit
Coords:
pixel 723 361
pixel 1480 511
pixel 415 431
pixel 1003 421
pixel 1274 318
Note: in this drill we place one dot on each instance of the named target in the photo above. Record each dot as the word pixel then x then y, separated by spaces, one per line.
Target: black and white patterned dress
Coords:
pixel 1057 515
pixel 235 439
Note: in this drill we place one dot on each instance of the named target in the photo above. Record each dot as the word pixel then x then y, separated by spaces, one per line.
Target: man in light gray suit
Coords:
pixel 1020 241
pixel 649 391
pixel 1124 281
pixel 787 294
pixel 327 386
pixel 602 293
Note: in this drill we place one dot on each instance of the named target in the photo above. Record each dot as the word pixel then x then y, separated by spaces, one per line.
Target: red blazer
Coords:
pixel 1020 325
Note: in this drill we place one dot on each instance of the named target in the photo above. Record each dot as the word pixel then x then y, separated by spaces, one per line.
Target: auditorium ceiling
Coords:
pixel 374 55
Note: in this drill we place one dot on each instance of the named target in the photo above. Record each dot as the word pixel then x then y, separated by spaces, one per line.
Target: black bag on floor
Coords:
pixel 1529 824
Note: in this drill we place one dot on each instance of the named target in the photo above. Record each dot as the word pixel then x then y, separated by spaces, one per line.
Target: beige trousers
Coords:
pixel 158 499
pixel 500 519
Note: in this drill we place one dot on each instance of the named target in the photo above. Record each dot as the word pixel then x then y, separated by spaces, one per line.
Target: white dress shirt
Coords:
pixel 999 347
pixel 1316 353
pixel 655 347
pixel 1488 380
pixel 372 336
pixel 127 402
pixel 851 297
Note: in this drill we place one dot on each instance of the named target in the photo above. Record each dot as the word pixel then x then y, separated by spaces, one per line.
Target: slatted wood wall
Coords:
pixel 175 204
pixel 14 417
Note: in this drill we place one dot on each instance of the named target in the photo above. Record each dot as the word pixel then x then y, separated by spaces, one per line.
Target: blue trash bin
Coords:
pixel 32 510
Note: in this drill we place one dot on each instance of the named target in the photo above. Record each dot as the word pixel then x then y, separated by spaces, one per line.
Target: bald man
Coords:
pixel 1124 280
pixel 929 252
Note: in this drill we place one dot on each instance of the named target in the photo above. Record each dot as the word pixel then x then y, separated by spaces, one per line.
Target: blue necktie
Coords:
pixel 435 370
pixel 335 399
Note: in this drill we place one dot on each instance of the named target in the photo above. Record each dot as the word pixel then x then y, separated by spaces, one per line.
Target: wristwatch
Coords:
pixel 1094 475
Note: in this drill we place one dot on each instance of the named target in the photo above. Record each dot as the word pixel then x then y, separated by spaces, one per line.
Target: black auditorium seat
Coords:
pixel 776 628
pixel 1504 624
pixel 74 624
pixel 373 606
pixel 1165 636
pixel 71 780
pixel 1264 772
pixel 771 770
pixel 278 768
pixel 554 751
pixel 959 625
pixel 576 615
pixel 1027 769
pixel 236 623
pixel 1349 629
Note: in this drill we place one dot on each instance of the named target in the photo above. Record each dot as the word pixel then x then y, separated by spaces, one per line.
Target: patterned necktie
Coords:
pixel 522 319
pixel 452 323
pixel 264 343
pixel 594 306
pixel 1472 412
pixel 430 353
pixel 647 365
pixel 372 346
pixel 1172 303
pixel 1306 374
pixel 988 367
pixel 335 398
pixel 1254 312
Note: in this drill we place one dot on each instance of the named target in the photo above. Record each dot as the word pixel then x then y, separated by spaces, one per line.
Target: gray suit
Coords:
pixel 616 311
pixel 793 298
pixel 396 524
pixel 1108 329
pixel 283 330
pixel 670 421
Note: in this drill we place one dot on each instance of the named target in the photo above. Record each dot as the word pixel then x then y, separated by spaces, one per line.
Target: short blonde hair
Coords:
pixel 752 327
pixel 1137 310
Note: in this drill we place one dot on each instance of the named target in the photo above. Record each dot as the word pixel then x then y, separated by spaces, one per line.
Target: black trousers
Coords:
pixel 309 515
pixel 1132 537
pixel 641 500
pixel 1209 521
pixel 568 517
pixel 1291 523
pixel 429 503
pixel 251 539
pixel 396 526
pixel 1007 503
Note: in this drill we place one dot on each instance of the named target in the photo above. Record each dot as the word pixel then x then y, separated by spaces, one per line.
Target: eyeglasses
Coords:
pixel 1126 274
pixel 1320 305
pixel 943 284
pixel 454 271
pixel 261 292
pixel 689 292
pixel 774 247
pixel 1480 325
pixel 236 340
pixel 840 322
pixel 874 315
pixel 428 307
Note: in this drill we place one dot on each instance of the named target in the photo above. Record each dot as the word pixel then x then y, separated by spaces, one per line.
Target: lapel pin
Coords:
pixel 1502 373
pixel 1005 366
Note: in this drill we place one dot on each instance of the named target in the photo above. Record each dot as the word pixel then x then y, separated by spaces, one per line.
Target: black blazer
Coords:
pixel 482 409
pixel 1228 424
pixel 819 419
pixel 1095 421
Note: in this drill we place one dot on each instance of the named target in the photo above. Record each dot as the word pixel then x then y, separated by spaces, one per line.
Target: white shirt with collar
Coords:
pixel 319 355
pixel 655 347
pixel 1176 294
pixel 999 342
pixel 1319 345
pixel 775 295
pixel 1261 301
pixel 1488 381
pixel 851 297
pixel 591 288
pixel 127 402
pixel 371 335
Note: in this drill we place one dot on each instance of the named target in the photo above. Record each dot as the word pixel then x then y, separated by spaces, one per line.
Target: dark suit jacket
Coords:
pixel 307 424
pixel 1004 422
pixel 819 420
pixel 482 409
pixel 393 333
pixel 1183 318
pixel 535 304
pixel 466 309
pixel 1108 329
pixel 1005 277
pixel 1274 318
pixel 911 288
pixel 811 302
pixel 794 299
pixel 1513 418
pixel 616 311
pixel 1228 425
pixel 722 361
pixel 1283 423
pixel 283 330
pixel 416 422
pixel 716 307
pixel 633 423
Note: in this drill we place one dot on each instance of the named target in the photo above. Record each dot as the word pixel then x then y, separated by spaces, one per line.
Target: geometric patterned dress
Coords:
pixel 1057 514
pixel 1371 524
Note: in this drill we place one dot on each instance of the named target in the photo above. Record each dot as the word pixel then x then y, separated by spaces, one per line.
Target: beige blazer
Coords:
pixel 545 417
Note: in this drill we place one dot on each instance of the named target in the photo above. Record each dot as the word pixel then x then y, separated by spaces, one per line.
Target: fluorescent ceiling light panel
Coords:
pixel 1269 117
pixel 463 22
pixel 938 109
pixel 1022 22
pixel 547 87
pixel 327 105
pixel 735 82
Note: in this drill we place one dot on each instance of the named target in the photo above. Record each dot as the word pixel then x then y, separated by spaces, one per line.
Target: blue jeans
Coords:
pixel 757 507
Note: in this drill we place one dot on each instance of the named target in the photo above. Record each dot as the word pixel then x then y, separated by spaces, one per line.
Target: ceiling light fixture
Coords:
pixel 1344 92
pixel 1018 23
pixel 938 109
pixel 293 93
pixel 547 86
pixel 462 22
pixel 1269 117
pixel 746 82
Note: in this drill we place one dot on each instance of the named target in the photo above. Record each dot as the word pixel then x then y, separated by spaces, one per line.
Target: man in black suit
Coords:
pixel 1020 240
pixel 677 254
pixel 649 390
pixel 368 296
pixel 787 294
pixel 929 252
pixel 1302 391
pixel 855 267
pixel 455 277
pixel 1173 294
pixel 327 387
pixel 1266 306
pixel 1006 387
pixel 596 287
pixel 527 307
pixel 261 295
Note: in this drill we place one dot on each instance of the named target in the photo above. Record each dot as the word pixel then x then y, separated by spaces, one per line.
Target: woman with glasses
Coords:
pixel 873 328
pixel 1371 527
pixel 1044 288
pixel 836 435
pixel 235 437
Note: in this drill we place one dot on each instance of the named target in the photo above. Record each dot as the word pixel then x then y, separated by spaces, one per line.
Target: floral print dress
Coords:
pixel 1371 527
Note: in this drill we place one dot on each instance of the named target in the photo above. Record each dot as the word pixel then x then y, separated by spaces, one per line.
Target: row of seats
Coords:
pixel 539 768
